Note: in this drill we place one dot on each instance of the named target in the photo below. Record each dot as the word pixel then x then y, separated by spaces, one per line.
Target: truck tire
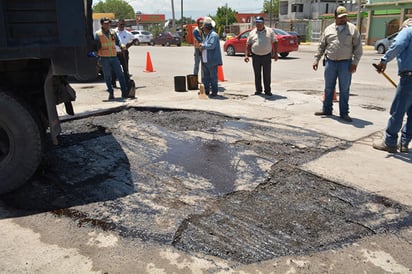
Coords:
pixel 20 143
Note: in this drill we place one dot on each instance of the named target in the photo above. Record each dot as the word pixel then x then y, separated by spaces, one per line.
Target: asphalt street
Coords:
pixel 374 186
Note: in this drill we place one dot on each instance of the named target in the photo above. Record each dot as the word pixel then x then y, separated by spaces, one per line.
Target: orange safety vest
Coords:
pixel 108 48
pixel 195 42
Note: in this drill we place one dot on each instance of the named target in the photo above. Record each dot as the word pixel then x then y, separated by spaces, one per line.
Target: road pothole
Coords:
pixel 203 182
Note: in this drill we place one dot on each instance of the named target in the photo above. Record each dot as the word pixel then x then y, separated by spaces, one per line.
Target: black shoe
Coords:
pixel 258 93
pixel 111 96
pixel 383 146
pixel 403 148
pixel 346 118
pixel 213 94
pixel 318 113
pixel 268 93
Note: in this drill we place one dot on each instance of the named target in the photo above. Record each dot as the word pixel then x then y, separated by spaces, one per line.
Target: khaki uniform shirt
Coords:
pixel 261 41
pixel 340 45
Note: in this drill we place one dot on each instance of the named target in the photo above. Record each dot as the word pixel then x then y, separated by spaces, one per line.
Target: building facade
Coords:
pixel 385 17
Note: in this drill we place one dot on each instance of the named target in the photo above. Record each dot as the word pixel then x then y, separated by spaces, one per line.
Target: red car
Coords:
pixel 286 43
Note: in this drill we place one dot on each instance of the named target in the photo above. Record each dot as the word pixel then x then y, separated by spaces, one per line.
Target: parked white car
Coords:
pixel 382 45
pixel 142 36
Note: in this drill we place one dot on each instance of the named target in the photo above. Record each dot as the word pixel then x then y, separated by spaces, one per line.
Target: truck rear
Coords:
pixel 41 43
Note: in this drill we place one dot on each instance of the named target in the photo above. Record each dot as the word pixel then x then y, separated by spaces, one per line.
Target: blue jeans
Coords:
pixel 337 70
pixel 110 64
pixel 210 78
pixel 197 61
pixel 402 103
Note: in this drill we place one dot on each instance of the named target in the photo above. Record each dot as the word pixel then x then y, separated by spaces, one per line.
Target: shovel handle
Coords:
pixel 385 75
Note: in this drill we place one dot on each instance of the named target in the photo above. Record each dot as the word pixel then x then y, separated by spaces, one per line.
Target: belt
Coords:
pixel 405 73
pixel 338 60
pixel 327 58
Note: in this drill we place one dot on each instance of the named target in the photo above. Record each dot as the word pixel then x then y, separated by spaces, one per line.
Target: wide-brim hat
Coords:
pixel 407 23
pixel 207 21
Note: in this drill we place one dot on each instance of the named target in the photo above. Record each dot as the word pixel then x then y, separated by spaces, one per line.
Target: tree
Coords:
pixel 225 16
pixel 274 11
pixel 120 8
pixel 185 20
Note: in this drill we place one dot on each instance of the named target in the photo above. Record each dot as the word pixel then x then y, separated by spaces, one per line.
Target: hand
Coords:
pixel 380 67
pixel 315 66
pixel 352 68
pixel 275 56
pixel 246 59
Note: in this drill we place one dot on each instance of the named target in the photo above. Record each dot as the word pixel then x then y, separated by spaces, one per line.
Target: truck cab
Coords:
pixel 41 43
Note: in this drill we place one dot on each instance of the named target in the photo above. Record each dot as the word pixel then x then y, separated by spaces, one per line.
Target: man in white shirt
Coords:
pixel 126 38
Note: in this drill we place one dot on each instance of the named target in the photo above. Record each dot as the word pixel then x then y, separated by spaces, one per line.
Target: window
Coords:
pixel 283 8
pixel 297 7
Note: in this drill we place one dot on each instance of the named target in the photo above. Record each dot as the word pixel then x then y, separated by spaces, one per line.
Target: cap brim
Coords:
pixel 341 15
pixel 259 21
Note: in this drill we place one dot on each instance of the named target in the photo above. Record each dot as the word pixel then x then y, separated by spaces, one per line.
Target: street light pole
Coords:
pixel 270 14
pixel 358 17
pixel 173 16
pixel 226 14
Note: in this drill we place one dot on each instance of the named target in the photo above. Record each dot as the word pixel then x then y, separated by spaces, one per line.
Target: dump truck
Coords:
pixel 42 43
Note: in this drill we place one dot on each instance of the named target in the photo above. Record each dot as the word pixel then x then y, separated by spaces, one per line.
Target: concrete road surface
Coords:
pixel 48 243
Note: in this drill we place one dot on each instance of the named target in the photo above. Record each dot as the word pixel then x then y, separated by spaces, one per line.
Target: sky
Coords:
pixel 193 8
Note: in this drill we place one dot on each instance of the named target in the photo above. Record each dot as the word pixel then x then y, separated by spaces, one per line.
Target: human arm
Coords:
pixel 357 50
pixel 274 47
pixel 210 42
pixel 248 52
pixel 197 36
pixel 98 44
pixel 131 39
pixel 320 51
pixel 117 40
pixel 397 49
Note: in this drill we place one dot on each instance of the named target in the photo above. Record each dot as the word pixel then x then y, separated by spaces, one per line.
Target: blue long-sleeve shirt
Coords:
pixel 402 49
pixel 212 45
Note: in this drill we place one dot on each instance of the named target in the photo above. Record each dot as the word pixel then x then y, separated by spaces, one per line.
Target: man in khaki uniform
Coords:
pixel 342 47
pixel 262 45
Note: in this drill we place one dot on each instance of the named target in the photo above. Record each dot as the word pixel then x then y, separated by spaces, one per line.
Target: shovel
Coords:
pixel 202 94
pixel 386 76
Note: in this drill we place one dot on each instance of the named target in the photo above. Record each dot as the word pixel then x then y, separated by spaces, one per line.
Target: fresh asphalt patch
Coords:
pixel 203 182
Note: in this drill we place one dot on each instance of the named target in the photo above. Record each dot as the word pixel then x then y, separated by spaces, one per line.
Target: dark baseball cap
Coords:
pixel 105 20
pixel 259 19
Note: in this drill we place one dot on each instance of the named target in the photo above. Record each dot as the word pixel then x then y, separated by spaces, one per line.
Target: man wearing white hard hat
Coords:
pixel 211 57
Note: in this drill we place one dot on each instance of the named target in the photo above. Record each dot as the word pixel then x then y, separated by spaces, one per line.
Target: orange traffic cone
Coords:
pixel 149 66
pixel 220 76
pixel 335 98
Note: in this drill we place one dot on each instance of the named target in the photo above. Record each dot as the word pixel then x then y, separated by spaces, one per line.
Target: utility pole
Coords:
pixel 173 16
pixel 181 16
pixel 226 15
pixel 358 17
pixel 270 14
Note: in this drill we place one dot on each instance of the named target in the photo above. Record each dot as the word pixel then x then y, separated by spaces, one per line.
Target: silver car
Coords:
pixel 382 45
pixel 142 36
